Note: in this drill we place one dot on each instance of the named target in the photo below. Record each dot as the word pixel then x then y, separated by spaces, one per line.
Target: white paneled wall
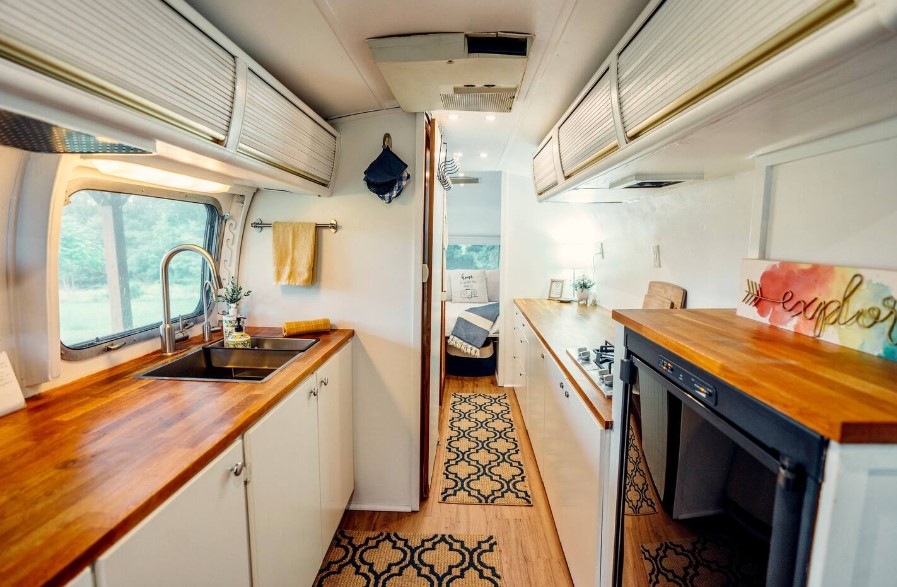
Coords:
pixel 368 279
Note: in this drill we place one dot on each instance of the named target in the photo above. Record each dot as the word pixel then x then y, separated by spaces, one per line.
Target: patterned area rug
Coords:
pixel 389 559
pixel 704 561
pixel 482 457
pixel 639 500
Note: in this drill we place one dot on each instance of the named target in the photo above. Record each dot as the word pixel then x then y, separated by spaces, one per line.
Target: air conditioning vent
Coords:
pixel 478 98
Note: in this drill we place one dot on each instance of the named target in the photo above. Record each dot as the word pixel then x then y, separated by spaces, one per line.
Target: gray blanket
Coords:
pixel 473 327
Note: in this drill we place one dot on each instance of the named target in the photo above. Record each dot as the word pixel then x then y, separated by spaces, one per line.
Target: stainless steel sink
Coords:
pixel 220 364
pixel 274 344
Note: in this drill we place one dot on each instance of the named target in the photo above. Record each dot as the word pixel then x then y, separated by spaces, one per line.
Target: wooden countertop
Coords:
pixel 561 326
pixel 843 394
pixel 84 463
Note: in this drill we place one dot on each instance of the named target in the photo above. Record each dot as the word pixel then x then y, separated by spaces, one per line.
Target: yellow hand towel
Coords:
pixel 306 326
pixel 294 253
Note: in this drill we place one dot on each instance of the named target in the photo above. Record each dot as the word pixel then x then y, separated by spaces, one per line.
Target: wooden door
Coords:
pixel 335 439
pixel 198 537
pixel 427 433
pixel 284 494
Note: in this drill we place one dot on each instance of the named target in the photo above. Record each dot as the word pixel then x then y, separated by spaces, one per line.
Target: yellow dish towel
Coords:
pixel 294 253
pixel 306 326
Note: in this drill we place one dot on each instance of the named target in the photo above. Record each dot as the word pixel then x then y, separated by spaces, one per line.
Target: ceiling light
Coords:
pixel 490 117
pixel 460 175
pixel 456 155
pixel 169 179
pixel 483 155
pixel 453 117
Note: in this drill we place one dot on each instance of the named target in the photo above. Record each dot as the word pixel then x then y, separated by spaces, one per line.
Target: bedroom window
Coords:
pixel 472 256
pixel 111 245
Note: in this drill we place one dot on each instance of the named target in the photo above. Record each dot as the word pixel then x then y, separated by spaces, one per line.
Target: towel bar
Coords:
pixel 258 225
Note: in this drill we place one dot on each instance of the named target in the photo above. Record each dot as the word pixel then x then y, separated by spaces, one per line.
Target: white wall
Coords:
pixel 368 279
pixel 475 209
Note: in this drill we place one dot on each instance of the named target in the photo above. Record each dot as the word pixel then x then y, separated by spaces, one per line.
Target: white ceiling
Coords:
pixel 317 49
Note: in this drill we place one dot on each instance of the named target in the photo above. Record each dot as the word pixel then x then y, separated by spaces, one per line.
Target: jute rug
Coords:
pixel 704 561
pixel 389 559
pixel 482 456
pixel 638 494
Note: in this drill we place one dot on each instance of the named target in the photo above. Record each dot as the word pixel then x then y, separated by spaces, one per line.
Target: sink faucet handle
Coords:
pixel 181 322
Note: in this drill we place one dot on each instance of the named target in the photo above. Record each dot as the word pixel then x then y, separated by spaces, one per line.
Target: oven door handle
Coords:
pixel 786 523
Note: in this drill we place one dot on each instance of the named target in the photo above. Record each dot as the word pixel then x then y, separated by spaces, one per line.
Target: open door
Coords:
pixel 431 323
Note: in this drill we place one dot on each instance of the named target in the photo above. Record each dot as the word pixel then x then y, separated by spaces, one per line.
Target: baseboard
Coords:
pixel 363 507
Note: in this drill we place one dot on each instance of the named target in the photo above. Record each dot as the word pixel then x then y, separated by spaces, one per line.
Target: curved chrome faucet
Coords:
pixel 168 339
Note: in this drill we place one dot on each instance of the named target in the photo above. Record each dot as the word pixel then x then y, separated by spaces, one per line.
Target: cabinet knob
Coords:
pixel 238 469
pixel 562 385
pixel 566 393
pixel 543 355
pixel 325 381
pixel 313 392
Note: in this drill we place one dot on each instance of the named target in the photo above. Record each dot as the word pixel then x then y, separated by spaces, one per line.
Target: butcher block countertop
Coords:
pixel 843 394
pixel 84 463
pixel 561 326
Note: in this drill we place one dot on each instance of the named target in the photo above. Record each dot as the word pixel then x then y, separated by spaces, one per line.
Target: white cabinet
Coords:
pixel 537 382
pixel 285 491
pixel 573 457
pixel 335 439
pixel 570 449
pixel 579 509
pixel 84 579
pixel 197 537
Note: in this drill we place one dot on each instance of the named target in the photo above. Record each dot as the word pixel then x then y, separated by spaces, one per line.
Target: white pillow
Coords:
pixel 492 285
pixel 469 286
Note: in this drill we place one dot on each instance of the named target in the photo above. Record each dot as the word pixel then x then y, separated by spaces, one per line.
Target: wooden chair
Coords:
pixel 663 296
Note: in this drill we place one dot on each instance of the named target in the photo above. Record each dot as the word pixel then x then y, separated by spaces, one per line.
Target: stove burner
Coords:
pixel 604 359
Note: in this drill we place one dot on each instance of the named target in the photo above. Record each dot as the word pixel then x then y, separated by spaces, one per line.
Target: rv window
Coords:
pixel 111 245
pixel 470 256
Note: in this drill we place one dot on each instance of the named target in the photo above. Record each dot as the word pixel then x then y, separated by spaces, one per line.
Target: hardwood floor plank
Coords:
pixel 531 554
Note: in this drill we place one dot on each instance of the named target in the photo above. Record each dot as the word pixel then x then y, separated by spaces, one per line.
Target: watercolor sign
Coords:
pixel 848 306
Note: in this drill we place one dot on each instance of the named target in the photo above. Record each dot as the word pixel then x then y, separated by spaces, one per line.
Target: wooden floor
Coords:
pixel 531 553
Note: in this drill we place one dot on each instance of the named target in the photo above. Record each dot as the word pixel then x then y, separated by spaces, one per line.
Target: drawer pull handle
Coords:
pixel 566 393
pixel 562 385
pixel 238 469
pixel 313 392
pixel 325 381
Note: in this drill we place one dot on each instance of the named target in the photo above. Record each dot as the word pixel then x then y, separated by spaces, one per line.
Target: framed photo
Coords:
pixel 556 289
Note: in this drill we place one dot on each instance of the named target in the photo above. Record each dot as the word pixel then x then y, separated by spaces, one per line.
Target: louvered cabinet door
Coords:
pixel 278 132
pixel 544 174
pixel 688 49
pixel 588 133
pixel 140 53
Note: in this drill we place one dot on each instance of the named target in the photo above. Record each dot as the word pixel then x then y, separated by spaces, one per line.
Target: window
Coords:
pixel 469 256
pixel 111 246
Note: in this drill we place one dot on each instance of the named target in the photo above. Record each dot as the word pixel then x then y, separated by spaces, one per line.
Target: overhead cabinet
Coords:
pixel 681 54
pixel 278 132
pixel 588 133
pixel 160 59
pixel 139 53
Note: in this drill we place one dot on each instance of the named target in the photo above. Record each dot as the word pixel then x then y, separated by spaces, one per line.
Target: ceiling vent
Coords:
pixel 478 72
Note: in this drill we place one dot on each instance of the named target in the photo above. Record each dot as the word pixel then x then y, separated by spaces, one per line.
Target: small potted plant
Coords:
pixel 582 285
pixel 232 293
